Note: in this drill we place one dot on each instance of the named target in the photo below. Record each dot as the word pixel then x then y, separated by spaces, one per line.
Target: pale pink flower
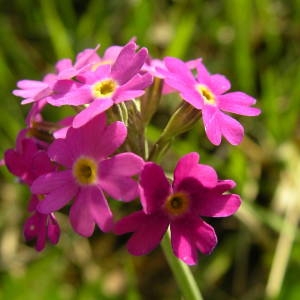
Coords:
pixel 207 92
pixel 107 85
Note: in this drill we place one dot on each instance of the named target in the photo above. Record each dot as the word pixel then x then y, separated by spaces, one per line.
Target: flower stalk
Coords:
pixel 181 272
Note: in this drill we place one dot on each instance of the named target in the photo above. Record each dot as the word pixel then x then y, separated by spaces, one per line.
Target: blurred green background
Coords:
pixel 255 43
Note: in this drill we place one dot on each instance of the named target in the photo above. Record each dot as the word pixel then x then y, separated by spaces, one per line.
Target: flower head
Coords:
pixel 207 92
pixel 107 84
pixel 41 227
pixel 34 90
pixel 27 161
pixel 89 170
pixel 194 193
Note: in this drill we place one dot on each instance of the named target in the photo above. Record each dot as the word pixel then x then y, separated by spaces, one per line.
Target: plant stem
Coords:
pixel 181 272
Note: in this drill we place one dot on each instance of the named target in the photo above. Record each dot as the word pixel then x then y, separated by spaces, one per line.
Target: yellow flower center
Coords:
pixel 104 88
pixel 206 93
pixel 177 204
pixel 85 171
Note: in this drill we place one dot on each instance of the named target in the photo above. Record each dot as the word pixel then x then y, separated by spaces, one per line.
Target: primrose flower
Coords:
pixel 34 90
pixel 108 84
pixel 88 171
pixel 206 92
pixel 55 85
pixel 195 192
pixel 27 161
pixel 41 227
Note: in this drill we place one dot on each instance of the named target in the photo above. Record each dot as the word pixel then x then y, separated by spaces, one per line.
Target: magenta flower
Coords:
pixel 195 191
pixel 84 61
pixel 59 83
pixel 27 161
pixel 87 172
pixel 34 90
pixel 107 85
pixel 206 92
pixel 41 227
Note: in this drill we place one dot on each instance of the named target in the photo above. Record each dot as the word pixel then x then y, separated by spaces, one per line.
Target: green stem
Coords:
pixel 181 272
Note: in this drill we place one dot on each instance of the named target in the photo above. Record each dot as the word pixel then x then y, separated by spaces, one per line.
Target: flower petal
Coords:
pixel 120 187
pixel 221 206
pixel 51 181
pixel 57 199
pixel 80 214
pixel 212 125
pixel 95 139
pixel 219 84
pixel 53 230
pixel 99 209
pixel 188 166
pixel 73 96
pixel 115 175
pixel 203 76
pixel 204 236
pixel 63 64
pixel 154 187
pixel 179 70
pixel 128 63
pixel 182 241
pixel 135 87
pixel 123 164
pixel 59 190
pixel 238 103
pixel 83 140
pixel 211 202
pixel 94 109
pixel 129 223
pixel 232 130
pixel 149 230
pixel 190 234
pixel 60 152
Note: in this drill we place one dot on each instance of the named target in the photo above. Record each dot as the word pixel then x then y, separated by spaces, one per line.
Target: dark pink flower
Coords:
pixel 207 92
pixel 89 170
pixel 27 161
pixel 41 227
pixel 195 192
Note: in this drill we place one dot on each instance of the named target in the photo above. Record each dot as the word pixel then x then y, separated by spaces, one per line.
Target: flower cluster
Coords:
pixel 99 153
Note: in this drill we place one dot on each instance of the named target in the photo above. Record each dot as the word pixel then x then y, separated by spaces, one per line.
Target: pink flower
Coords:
pixel 87 172
pixel 87 60
pixel 27 161
pixel 34 90
pixel 107 85
pixel 206 92
pixel 41 227
pixel 84 61
pixel 157 68
pixel 195 191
